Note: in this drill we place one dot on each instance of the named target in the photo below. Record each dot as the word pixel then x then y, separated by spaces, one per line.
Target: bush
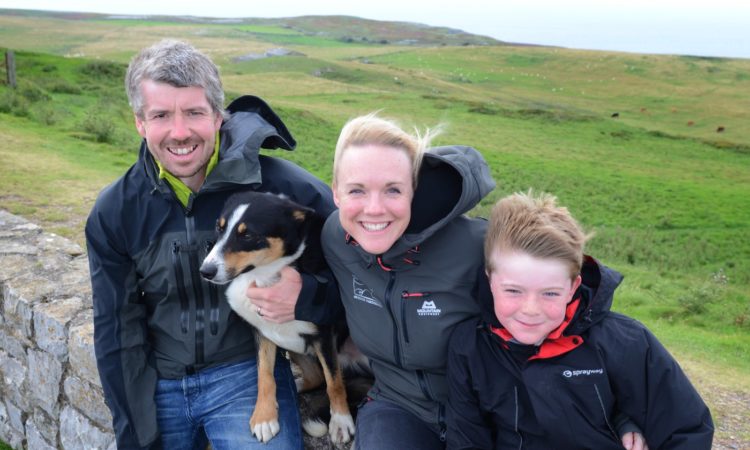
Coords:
pixel 99 126
pixel 694 301
pixel 104 70
pixel 13 103
pixel 33 93
pixel 63 87
pixel 46 114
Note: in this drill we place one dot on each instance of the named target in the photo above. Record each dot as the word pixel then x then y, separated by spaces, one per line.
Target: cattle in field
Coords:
pixel 720 129
pixel 690 123
pixel 615 115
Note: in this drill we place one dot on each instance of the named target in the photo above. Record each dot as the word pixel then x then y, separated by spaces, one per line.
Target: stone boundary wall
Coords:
pixel 50 395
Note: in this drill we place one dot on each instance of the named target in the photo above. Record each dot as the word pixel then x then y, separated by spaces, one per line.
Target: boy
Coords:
pixel 550 363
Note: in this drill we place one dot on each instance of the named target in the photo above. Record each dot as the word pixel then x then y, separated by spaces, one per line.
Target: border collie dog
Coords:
pixel 258 235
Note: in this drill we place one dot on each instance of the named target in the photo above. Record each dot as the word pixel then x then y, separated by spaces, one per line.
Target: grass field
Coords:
pixel 667 196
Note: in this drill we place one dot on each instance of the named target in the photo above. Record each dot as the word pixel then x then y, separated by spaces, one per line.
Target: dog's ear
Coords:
pixel 309 226
pixel 302 213
pixel 307 220
pixel 299 215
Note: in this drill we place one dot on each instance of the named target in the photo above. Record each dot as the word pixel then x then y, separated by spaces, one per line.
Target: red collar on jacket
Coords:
pixel 555 344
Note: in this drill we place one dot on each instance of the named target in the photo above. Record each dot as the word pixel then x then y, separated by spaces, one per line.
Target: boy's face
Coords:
pixel 530 294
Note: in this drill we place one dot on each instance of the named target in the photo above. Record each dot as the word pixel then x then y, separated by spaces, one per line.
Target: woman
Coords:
pixel 409 266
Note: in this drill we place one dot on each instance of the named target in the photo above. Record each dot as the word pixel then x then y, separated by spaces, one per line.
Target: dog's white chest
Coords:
pixel 286 335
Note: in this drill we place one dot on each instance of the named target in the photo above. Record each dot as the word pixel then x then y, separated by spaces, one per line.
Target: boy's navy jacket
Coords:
pixel 154 316
pixel 564 395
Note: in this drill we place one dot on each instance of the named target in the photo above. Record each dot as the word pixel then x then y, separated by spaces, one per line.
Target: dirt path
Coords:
pixel 727 394
pixel 731 413
pixel 730 409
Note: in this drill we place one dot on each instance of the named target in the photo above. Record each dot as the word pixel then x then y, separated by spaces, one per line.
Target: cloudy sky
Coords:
pixel 697 27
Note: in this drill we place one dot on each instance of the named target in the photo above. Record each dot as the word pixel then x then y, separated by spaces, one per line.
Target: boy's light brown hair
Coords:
pixel 537 226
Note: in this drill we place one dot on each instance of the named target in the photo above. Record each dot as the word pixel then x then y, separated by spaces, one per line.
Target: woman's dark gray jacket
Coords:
pixel 153 314
pixel 402 306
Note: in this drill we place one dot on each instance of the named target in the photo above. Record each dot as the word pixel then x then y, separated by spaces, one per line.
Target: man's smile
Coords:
pixel 181 151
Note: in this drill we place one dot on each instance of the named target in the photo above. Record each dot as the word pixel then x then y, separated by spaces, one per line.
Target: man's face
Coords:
pixel 180 129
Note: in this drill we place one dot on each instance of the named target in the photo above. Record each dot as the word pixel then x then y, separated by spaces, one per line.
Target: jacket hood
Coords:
pixel 252 124
pixel 596 293
pixel 451 181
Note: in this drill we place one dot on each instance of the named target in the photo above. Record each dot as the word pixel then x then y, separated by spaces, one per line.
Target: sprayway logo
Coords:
pixel 582 372
pixel 428 309
pixel 363 293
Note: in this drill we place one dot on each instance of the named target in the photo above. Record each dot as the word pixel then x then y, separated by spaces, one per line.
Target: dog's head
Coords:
pixel 257 230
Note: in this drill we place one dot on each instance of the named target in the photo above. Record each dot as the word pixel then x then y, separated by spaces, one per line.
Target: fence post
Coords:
pixel 10 68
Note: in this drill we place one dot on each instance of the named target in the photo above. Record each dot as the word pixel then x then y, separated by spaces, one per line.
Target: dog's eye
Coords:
pixel 254 240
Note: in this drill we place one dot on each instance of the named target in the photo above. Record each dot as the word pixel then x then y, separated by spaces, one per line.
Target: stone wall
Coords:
pixel 50 395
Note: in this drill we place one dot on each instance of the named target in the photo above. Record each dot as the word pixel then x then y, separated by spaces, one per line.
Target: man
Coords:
pixel 177 366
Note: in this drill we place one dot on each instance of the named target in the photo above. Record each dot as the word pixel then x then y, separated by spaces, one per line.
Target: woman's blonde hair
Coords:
pixel 372 129
pixel 537 226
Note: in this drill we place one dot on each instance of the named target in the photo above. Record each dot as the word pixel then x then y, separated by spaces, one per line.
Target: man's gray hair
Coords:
pixel 178 64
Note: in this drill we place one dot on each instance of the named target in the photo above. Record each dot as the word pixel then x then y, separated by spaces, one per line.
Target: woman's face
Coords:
pixel 373 190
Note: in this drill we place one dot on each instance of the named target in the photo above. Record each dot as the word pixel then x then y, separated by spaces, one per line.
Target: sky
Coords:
pixel 686 27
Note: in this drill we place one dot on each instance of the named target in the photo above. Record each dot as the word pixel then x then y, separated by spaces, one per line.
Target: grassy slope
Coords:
pixel 669 202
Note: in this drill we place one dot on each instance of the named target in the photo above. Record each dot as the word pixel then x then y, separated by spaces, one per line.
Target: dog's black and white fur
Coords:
pixel 258 235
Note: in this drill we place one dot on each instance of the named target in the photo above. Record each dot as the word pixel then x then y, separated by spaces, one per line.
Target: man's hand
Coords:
pixel 634 441
pixel 276 303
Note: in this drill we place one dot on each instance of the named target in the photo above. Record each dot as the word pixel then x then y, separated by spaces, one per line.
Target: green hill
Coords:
pixel 628 141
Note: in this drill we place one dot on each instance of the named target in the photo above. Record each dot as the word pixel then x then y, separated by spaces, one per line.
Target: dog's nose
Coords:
pixel 208 270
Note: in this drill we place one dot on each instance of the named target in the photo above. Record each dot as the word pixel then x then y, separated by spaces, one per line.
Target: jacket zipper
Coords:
pixel 604 412
pixel 422 379
pixel 515 421
pixel 405 296
pixel 200 311
pixel 396 347
pixel 213 293
pixel 441 422
pixel 181 293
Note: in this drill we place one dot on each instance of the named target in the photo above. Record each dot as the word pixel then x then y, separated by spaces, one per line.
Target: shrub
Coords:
pixel 13 103
pixel 99 126
pixel 46 114
pixel 33 93
pixel 64 87
pixel 694 301
pixel 104 70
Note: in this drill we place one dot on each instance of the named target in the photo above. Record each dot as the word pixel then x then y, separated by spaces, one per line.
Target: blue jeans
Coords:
pixel 383 425
pixel 215 406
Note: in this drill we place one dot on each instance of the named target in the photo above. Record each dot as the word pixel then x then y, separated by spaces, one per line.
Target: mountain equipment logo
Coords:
pixel 428 309
pixel 363 293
